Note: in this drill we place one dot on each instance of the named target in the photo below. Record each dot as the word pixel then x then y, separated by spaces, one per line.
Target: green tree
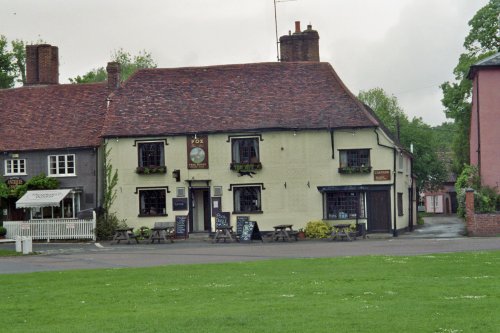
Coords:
pixel 128 63
pixel 12 62
pixel 7 66
pixel 482 41
pixel 430 170
pixel 107 221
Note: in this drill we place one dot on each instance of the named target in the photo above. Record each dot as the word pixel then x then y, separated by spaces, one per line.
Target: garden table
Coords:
pixel 283 231
pixel 341 231
pixel 161 233
pixel 124 234
pixel 224 232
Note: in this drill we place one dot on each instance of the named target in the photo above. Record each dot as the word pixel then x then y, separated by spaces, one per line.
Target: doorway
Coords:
pixel 199 210
pixel 379 211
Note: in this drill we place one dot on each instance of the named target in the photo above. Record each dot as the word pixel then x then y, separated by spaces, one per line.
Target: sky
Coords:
pixel 406 47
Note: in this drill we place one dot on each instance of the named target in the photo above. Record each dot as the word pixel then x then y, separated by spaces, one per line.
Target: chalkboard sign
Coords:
pixel 179 203
pixel 181 225
pixel 240 221
pixel 222 219
pixel 250 232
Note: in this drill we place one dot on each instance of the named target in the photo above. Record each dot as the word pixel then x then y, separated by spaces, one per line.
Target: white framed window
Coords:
pixel 15 167
pixel 62 165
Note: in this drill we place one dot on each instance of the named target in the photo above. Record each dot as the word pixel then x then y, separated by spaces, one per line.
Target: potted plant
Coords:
pixel 3 232
pixel 301 234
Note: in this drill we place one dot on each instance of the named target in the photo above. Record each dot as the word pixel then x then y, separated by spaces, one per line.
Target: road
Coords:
pixel 66 256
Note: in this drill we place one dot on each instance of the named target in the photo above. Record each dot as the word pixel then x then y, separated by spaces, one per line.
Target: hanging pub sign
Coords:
pixel 382 174
pixel 197 152
pixel 13 182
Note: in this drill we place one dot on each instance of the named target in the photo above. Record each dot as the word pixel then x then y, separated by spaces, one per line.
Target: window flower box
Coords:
pixel 355 169
pixel 151 169
pixel 245 167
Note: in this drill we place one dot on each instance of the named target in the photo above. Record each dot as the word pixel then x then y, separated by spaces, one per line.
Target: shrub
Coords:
pixel 317 229
pixel 105 227
pixel 3 231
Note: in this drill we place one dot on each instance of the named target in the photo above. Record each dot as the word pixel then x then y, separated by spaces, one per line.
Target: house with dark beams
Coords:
pixel 53 129
pixel 279 143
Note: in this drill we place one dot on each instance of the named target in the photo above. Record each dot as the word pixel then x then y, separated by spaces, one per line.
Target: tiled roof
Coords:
pixel 52 116
pixel 231 98
pixel 492 61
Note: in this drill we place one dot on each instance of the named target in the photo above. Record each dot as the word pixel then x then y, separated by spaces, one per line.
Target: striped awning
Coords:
pixel 42 198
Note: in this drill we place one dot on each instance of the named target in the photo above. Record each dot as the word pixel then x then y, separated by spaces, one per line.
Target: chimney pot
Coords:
pixel 297 26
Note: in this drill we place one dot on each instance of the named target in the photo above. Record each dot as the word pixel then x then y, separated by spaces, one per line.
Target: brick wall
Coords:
pixel 42 64
pixel 487 224
pixel 300 46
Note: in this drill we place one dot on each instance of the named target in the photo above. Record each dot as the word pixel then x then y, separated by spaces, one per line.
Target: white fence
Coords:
pixel 52 229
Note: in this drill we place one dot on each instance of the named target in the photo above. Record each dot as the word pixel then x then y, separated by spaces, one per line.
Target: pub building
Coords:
pixel 277 143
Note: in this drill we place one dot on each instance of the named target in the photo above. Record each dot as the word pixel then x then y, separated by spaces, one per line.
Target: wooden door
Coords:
pixel 379 211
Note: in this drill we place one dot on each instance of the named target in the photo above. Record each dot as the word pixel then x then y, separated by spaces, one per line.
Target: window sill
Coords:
pixel 355 170
pixel 60 176
pixel 245 167
pixel 14 174
pixel 252 212
pixel 151 170
pixel 151 215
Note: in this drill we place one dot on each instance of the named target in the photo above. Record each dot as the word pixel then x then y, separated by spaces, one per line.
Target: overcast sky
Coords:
pixel 406 47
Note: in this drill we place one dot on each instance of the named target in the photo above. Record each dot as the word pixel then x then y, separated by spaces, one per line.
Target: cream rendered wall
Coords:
pixel 302 160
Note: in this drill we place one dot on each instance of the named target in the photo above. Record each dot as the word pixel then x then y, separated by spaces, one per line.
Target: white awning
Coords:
pixel 42 198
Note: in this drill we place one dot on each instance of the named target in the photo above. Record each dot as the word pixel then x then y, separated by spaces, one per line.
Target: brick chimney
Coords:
pixel 113 69
pixel 42 64
pixel 301 45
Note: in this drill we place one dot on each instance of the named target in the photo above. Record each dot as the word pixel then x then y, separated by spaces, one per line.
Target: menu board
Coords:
pixel 250 232
pixel 222 219
pixel 181 225
pixel 240 221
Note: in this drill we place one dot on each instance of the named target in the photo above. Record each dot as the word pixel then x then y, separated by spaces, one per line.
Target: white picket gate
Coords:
pixel 52 229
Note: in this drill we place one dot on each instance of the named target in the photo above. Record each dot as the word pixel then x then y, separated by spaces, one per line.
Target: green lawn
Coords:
pixel 9 253
pixel 457 292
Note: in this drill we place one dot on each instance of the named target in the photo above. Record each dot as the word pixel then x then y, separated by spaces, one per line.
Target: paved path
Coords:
pixel 65 256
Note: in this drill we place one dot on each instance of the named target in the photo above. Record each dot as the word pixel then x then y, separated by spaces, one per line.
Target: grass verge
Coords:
pixel 8 253
pixel 457 292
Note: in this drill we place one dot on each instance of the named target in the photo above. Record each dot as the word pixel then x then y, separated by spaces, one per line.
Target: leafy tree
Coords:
pixel 7 67
pixel 12 62
pixel 107 221
pixel 429 169
pixel 128 63
pixel 482 41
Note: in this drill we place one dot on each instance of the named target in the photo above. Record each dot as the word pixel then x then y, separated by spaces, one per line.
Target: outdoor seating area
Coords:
pixel 161 231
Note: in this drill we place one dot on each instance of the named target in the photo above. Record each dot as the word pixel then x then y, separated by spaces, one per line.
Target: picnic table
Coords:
pixel 162 233
pixel 124 234
pixel 284 231
pixel 224 232
pixel 341 232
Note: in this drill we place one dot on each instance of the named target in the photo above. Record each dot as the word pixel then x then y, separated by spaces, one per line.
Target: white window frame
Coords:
pixel 10 167
pixel 58 159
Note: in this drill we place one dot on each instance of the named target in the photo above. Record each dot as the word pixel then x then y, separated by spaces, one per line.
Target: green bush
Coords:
pixel 143 233
pixel 3 231
pixel 486 199
pixel 105 227
pixel 317 229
